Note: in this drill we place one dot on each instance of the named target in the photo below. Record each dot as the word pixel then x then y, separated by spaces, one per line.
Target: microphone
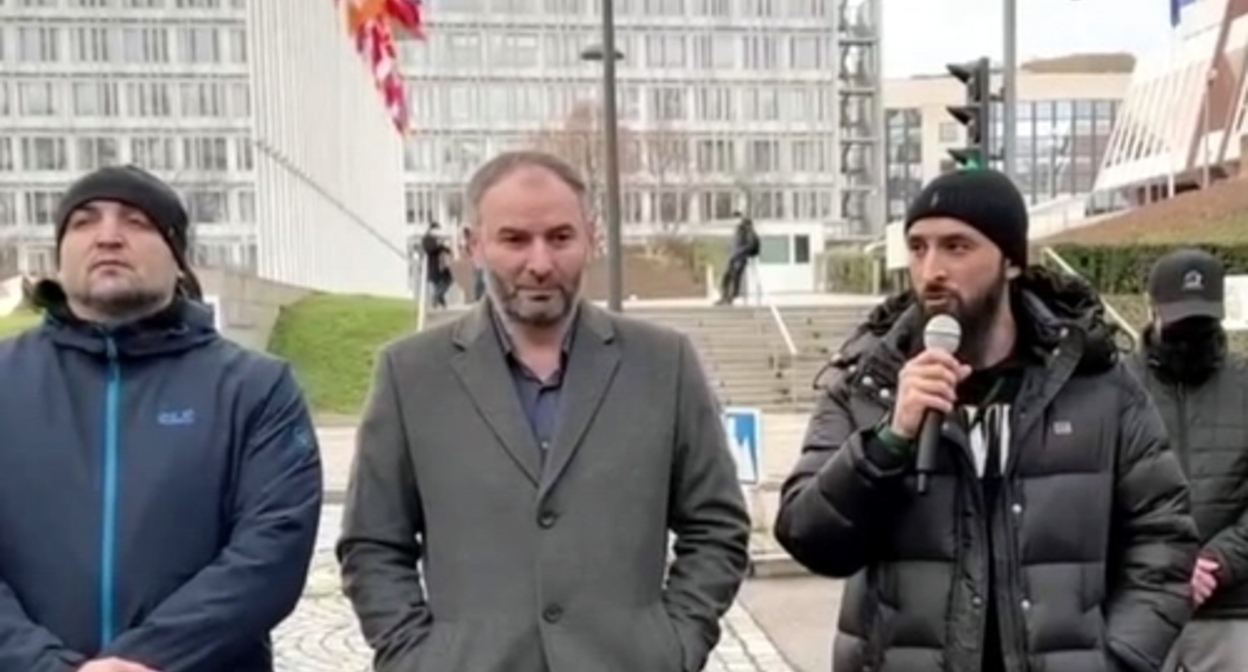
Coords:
pixel 941 333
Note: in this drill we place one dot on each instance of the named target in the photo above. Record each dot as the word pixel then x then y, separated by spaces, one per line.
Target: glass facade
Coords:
pixel 1060 147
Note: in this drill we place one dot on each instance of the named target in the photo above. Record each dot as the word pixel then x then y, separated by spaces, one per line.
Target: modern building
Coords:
pixel 1066 110
pixel 725 104
pixel 1183 116
pixel 328 159
pixel 766 106
pixel 160 83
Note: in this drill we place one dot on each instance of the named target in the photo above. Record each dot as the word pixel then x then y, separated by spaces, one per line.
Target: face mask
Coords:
pixel 1188 351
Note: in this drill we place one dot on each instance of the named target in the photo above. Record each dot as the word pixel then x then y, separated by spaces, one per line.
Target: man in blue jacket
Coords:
pixel 160 486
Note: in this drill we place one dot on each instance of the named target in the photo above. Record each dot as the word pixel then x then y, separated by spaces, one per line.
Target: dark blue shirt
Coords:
pixel 539 398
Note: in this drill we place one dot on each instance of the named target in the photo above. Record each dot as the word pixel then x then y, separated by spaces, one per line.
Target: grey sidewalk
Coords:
pixel 322 635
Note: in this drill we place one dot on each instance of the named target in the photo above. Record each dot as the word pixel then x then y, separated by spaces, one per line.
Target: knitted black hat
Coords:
pixel 142 190
pixel 985 200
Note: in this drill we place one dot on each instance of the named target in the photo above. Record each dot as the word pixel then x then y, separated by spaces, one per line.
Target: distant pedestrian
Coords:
pixel 518 470
pixel 437 264
pixel 745 248
pixel 1201 388
pixel 160 486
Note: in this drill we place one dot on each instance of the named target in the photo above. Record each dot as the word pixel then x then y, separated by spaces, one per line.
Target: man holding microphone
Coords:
pixel 997 485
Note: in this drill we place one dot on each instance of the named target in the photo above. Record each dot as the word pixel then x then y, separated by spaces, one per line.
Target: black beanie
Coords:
pixel 142 190
pixel 983 199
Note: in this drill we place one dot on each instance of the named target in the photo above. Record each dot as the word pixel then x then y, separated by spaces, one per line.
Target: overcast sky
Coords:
pixel 1045 28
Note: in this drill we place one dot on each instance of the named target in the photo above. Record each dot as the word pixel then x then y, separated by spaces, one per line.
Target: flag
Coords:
pixel 369 25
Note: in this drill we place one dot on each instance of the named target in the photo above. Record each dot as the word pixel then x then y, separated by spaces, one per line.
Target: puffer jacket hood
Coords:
pixel 1048 302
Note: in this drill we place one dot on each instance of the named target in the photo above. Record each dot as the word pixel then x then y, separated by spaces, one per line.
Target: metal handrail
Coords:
pixel 1051 254
pixel 774 309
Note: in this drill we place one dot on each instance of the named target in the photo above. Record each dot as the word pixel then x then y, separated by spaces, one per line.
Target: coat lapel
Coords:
pixel 482 369
pixel 592 363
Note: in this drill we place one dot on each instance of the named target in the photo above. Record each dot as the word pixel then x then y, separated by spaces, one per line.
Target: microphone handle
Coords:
pixel 929 440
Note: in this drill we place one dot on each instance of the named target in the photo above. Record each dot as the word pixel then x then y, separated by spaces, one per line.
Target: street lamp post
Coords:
pixel 611 154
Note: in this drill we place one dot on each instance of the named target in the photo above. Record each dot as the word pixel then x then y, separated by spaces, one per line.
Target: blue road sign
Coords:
pixel 744 427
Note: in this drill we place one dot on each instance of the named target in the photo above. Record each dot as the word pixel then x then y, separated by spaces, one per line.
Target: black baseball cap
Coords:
pixel 1187 283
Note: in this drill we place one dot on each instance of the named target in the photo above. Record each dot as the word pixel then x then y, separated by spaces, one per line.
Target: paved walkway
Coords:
pixel 321 636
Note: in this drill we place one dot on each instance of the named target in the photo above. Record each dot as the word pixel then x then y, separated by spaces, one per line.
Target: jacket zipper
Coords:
pixel 1181 445
pixel 109 475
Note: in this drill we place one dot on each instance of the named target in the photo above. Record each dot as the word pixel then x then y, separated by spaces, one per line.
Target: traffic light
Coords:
pixel 975 114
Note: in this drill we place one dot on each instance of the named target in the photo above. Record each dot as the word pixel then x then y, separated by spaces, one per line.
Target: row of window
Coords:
pixel 204 205
pixel 676 156
pixel 144 42
pixel 187 99
pixel 184 154
pixel 126 4
pixel 756 49
pixel 786 9
pixel 510 104
pixel 684 205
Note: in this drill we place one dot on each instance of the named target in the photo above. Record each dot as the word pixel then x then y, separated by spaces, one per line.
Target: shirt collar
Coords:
pixel 504 338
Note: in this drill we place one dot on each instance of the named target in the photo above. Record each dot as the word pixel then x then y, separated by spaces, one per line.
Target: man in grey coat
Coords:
pixel 527 462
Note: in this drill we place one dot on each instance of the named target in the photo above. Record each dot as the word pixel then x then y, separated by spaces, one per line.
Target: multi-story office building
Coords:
pixel 1066 112
pixel 159 83
pixel 725 104
pixel 771 106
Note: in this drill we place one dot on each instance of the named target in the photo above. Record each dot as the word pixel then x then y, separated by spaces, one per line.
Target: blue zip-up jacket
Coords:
pixel 160 491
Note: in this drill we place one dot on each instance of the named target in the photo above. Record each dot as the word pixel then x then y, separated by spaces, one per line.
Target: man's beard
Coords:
pixel 122 305
pixel 519 310
pixel 976 315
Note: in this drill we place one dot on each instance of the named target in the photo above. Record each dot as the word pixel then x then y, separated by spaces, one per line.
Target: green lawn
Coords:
pixel 18 321
pixel 332 342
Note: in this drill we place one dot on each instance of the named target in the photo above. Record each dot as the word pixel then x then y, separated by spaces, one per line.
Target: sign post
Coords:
pixel 744 429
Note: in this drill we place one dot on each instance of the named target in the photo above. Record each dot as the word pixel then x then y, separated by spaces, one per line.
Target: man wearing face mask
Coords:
pixel 1055 532
pixel 1200 390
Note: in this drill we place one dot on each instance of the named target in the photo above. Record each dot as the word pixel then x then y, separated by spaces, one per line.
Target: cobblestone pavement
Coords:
pixel 321 636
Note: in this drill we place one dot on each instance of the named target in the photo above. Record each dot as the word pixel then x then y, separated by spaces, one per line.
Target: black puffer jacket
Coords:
pixel 1095 542
pixel 1209 431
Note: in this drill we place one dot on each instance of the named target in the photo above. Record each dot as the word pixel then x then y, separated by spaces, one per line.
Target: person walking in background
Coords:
pixel 1200 389
pixel 160 486
pixel 519 469
pixel 745 246
pixel 437 264
pixel 478 273
pixel 1055 533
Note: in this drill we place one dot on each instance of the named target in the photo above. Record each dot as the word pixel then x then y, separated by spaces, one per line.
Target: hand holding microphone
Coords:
pixel 927 391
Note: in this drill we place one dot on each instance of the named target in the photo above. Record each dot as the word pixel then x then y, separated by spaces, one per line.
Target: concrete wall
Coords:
pixel 249 306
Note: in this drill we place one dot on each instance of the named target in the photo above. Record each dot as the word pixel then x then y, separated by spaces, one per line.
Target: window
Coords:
pixel 41 207
pixel 203 99
pixel 96 153
pixel 244 154
pixel 667 103
pixel 44 153
pixel 8 208
pixel 8 162
pixel 148 99
pixel 199 45
pixel 37 99
pixel 665 51
pixel 145 45
pixel 209 154
pixel 93 45
pixel 154 154
pixel 206 206
pixel 96 99
pixel 38 44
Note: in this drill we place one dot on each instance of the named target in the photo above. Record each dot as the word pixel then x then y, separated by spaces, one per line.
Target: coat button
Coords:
pixel 552 614
pixel 977 601
pixel 1017 509
pixel 547 519
pixel 1026 605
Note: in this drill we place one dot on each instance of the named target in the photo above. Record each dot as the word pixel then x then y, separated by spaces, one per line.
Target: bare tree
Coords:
pixel 578 139
pixel 669 168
